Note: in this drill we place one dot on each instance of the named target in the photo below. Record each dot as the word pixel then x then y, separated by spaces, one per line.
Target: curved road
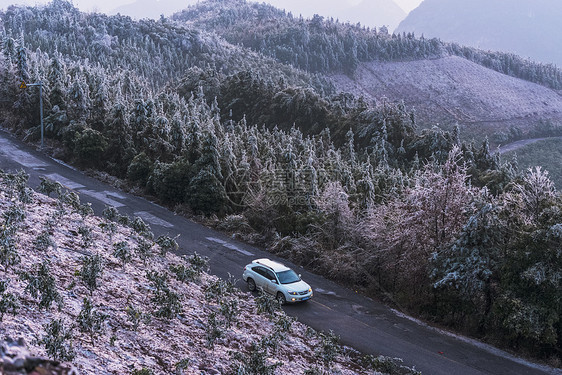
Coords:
pixel 361 323
pixel 524 142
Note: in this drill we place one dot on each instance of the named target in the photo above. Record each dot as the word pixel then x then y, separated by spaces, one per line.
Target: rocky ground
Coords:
pixel 101 297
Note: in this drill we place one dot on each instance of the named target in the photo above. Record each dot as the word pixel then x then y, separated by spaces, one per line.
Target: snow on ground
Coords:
pixel 156 345
pixel 453 90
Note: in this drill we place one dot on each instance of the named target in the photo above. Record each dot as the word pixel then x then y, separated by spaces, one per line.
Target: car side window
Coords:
pixel 269 275
pixel 259 271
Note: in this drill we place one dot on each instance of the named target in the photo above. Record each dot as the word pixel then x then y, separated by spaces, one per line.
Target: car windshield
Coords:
pixel 288 277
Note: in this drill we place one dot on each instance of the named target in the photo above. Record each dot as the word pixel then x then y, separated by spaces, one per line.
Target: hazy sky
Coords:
pixel 108 5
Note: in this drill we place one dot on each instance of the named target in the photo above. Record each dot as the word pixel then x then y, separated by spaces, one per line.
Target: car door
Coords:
pixel 271 282
pixel 260 278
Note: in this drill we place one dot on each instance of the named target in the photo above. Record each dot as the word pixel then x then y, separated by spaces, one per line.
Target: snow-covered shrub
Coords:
pixel 182 365
pixel 71 199
pixel 122 252
pixel 14 216
pixel 9 255
pixel 267 304
pixel 228 308
pixel 142 371
pixel 56 341
pixel 90 321
pixel 109 227
pixel 142 228
pixel 41 283
pixel 136 316
pixel 388 365
pixel 86 236
pixel 328 348
pixel 200 264
pixel 85 210
pixel 213 329
pixel 8 301
pixel 284 322
pixel 192 272
pixel 183 273
pixel 43 241
pixel 92 268
pixel 218 289
pixel 255 363
pixel 143 249
pixel 166 244
pixel 110 213
pixel 167 302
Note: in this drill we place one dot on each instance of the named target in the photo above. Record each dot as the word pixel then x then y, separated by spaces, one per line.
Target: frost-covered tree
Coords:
pixel 425 220
pixel 206 192
pixel 338 218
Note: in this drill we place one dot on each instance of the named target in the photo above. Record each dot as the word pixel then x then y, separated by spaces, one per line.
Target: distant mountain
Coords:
pixel 373 13
pixel 530 28
pixel 408 5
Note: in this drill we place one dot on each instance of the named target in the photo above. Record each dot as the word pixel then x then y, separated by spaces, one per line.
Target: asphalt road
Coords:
pixel 362 323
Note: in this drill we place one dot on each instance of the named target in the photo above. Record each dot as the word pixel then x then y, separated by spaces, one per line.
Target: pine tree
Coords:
pixel 56 80
pixel 206 192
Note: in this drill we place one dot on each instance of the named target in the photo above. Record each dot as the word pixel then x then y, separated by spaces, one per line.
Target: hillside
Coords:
pixel 445 83
pixel 372 13
pixel 121 303
pixel 453 90
pixel 529 28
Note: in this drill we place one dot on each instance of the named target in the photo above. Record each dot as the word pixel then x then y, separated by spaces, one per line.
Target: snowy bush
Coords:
pixel 91 271
pixel 166 244
pixel 166 302
pixel 43 241
pixel 8 301
pixel 41 283
pixel 56 341
pixel 90 320
pixel 122 252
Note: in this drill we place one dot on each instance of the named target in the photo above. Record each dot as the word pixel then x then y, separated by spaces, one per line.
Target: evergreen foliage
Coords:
pixel 346 188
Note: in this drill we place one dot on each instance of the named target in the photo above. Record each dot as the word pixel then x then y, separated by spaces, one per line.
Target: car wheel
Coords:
pixel 281 298
pixel 251 284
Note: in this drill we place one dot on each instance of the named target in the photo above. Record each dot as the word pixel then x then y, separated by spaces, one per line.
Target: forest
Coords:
pixel 328 46
pixel 356 191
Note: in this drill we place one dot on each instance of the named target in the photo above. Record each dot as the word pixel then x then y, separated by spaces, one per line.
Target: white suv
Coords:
pixel 276 279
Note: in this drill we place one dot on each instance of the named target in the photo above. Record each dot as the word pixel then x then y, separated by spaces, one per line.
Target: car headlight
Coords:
pixel 309 290
pixel 293 293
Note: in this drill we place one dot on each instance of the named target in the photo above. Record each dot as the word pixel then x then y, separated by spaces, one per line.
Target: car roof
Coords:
pixel 275 266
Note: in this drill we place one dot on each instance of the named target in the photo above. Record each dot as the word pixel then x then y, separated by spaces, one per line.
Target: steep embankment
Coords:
pixel 75 287
pixel 453 90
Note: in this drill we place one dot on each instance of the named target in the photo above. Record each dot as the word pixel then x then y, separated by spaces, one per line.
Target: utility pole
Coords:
pixel 40 84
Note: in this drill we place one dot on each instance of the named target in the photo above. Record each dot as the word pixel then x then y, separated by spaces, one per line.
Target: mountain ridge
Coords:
pixel 529 28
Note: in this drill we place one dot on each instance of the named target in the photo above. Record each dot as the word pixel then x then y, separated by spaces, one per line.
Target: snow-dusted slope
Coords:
pixel 126 295
pixel 454 90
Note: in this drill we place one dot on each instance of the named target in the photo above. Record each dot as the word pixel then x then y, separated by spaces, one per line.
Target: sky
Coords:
pixel 108 5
